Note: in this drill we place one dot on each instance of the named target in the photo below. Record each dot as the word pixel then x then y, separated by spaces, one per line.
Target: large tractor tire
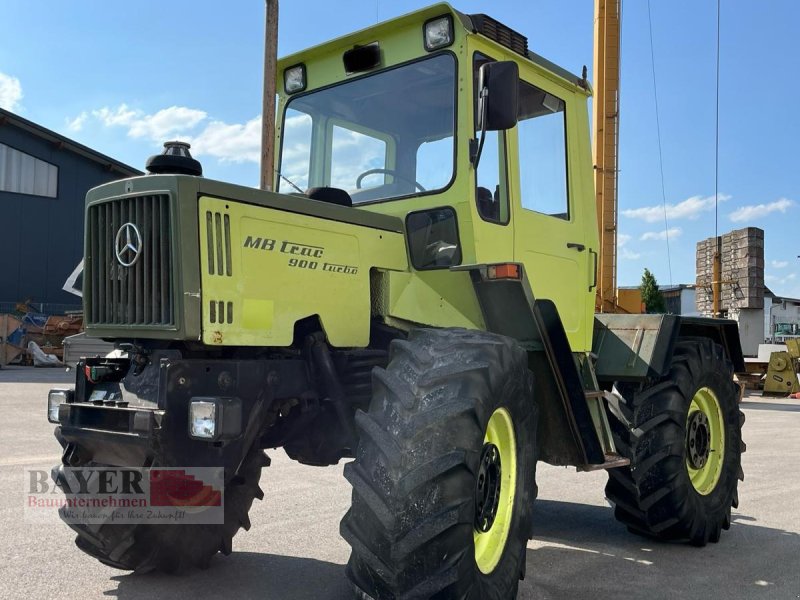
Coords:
pixel 683 437
pixel 444 476
pixel 173 548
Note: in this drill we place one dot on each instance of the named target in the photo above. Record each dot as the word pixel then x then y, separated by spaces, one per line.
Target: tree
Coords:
pixel 652 297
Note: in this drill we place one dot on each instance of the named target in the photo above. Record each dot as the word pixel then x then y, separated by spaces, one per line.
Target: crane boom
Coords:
pixel 605 119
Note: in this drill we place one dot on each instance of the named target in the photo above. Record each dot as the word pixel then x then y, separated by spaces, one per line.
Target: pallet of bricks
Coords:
pixel 742 261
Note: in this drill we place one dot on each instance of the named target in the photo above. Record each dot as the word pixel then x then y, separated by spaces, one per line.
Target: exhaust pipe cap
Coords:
pixel 176 159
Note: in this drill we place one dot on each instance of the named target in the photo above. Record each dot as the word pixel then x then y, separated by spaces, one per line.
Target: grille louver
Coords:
pixel 218 236
pixel 220 312
pixel 142 293
pixel 502 34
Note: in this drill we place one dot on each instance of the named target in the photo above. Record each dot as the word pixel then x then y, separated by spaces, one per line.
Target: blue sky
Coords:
pixel 123 77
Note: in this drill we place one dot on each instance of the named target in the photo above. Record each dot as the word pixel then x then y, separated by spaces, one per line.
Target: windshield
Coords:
pixel 378 137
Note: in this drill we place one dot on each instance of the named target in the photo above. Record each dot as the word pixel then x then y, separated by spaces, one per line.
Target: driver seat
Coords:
pixel 331 195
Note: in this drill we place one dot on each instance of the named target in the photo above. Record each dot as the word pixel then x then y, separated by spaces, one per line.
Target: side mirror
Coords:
pixel 498 86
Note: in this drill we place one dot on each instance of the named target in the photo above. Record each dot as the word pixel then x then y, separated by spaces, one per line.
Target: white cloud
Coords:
pixel 77 123
pixel 230 142
pixel 775 280
pixel 121 116
pixel 780 264
pixel 170 122
pixel 754 211
pixel 10 92
pixel 167 123
pixel 672 233
pixel 691 208
pixel 622 250
pixel 628 254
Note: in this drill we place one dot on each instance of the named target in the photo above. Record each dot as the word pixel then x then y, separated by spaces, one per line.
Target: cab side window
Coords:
pixel 491 189
pixel 542 152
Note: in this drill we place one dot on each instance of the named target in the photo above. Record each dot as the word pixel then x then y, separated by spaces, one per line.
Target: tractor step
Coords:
pixel 613 461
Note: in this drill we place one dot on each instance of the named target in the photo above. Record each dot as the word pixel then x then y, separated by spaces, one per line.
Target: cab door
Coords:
pixel 549 227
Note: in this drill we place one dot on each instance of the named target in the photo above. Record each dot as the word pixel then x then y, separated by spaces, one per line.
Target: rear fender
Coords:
pixel 639 347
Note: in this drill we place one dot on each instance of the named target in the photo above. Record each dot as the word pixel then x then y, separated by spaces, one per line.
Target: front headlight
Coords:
pixel 203 419
pixel 56 398
pixel 214 419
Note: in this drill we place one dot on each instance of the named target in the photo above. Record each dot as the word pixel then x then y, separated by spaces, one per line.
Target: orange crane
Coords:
pixel 605 150
pixel 605 118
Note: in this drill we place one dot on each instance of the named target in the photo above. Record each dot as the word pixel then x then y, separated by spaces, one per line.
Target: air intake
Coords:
pixel 503 35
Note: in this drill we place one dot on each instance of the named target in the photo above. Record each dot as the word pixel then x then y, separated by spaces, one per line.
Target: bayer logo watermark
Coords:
pixel 96 495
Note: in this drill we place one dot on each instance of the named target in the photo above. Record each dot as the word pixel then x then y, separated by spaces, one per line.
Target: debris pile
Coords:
pixel 27 335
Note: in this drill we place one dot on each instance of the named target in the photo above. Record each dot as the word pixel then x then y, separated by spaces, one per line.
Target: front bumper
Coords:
pixel 131 417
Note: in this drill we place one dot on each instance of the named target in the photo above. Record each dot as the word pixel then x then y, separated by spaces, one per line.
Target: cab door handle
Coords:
pixel 576 246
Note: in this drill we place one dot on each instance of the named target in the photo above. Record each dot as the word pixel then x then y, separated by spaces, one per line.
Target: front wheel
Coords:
pixel 173 548
pixel 683 435
pixel 444 477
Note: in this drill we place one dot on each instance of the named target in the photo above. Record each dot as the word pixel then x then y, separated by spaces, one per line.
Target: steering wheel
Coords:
pixel 391 172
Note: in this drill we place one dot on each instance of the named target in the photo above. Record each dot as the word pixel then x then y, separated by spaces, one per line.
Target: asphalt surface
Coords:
pixel 293 550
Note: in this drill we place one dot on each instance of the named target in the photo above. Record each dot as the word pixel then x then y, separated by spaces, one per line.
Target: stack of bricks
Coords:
pixel 742 254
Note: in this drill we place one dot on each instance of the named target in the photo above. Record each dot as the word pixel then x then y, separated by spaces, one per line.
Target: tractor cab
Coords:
pixel 391 120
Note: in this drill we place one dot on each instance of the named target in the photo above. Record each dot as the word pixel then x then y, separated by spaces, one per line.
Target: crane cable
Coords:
pixel 658 133
pixel 716 145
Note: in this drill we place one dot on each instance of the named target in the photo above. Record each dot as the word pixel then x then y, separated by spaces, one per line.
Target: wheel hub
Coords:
pixel 698 439
pixel 487 488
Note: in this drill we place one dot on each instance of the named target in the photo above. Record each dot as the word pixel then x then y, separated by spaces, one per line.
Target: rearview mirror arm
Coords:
pixel 475 146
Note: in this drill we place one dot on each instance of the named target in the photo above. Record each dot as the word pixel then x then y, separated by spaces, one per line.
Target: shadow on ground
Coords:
pixel 18 374
pixel 582 553
pixel 242 575
pixel 585 553
pixel 771 406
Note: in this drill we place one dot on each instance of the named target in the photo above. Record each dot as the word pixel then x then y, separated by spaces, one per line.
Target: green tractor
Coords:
pixel 416 295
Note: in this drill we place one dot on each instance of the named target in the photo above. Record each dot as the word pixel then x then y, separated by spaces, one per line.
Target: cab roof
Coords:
pixel 477 24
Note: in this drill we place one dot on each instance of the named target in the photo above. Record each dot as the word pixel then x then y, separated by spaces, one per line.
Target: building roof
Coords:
pixel 663 288
pixel 9 118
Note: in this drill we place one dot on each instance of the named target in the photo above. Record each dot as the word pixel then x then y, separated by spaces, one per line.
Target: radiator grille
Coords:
pixel 140 294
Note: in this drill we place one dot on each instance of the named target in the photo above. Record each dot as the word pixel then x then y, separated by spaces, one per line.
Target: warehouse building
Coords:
pixel 44 178
pixel 781 318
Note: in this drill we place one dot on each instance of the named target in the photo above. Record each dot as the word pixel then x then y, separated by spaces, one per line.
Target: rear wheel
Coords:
pixel 444 477
pixel 683 436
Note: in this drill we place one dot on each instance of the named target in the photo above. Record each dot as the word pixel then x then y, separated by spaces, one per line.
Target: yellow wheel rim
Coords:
pixel 500 452
pixel 705 441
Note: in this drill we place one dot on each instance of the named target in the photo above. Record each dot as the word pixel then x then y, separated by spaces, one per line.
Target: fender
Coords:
pixel 567 433
pixel 639 347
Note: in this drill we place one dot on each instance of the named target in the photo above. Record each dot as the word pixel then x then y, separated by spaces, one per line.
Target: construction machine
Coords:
pixel 415 294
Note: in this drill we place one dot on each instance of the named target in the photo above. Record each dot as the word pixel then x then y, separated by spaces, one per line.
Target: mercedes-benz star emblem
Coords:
pixel 128 245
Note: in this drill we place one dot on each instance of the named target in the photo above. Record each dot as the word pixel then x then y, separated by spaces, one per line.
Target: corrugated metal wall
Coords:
pixel 41 238
pixel 26 174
